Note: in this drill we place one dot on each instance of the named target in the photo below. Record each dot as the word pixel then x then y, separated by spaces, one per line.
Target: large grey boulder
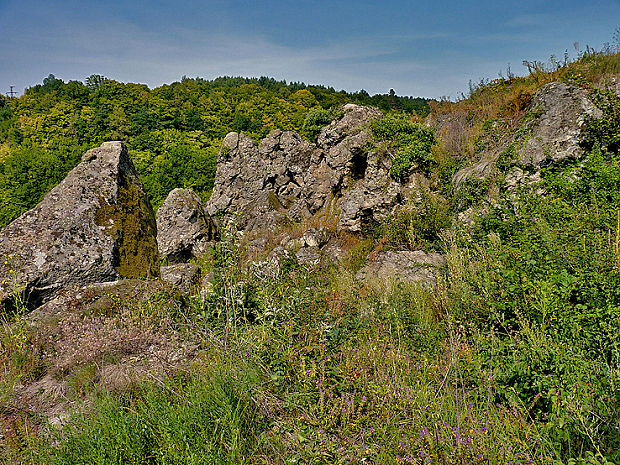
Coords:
pixel 560 111
pixel 184 230
pixel 97 225
pixel 550 132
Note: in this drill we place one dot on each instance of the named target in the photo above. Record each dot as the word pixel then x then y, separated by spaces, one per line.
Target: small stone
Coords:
pixel 184 276
pixel 414 266
pixel 317 237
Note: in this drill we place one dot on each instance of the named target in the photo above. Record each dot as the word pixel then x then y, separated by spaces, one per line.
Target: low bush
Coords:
pixel 409 142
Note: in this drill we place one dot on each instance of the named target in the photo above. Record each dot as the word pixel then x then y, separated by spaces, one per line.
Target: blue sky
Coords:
pixel 429 49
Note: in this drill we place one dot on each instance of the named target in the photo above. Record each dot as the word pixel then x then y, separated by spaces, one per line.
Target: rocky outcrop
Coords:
pixel 286 179
pixel 265 184
pixel 97 225
pixel 550 132
pixel 184 230
pixel 560 111
pixel 373 198
pixel 414 266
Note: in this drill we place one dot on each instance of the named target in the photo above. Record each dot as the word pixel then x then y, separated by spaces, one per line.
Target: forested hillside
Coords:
pixel 173 132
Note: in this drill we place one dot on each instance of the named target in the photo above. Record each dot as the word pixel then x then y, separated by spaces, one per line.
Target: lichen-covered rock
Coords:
pixel 262 185
pixel 560 111
pixel 98 298
pixel 316 237
pixel 550 132
pixel 372 199
pixel 97 225
pixel 308 256
pixel 414 266
pixel 355 117
pixel 184 230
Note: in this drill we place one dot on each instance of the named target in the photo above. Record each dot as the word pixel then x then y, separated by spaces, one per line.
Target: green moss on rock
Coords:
pixel 131 223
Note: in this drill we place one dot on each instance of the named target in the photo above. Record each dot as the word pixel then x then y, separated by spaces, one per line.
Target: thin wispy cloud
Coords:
pixel 429 51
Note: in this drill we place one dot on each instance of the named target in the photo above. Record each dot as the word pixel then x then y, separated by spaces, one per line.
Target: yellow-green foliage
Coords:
pixel 173 132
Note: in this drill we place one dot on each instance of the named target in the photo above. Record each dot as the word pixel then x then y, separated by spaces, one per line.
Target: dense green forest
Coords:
pixel 173 132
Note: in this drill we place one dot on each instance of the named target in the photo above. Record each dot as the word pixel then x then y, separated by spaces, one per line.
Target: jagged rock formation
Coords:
pixel 285 178
pixel 184 230
pixel 97 225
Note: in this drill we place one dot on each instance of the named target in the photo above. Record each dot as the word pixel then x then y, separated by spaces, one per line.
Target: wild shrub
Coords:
pixel 316 119
pixel 409 143
pixel 604 132
pixel 548 284
pixel 417 226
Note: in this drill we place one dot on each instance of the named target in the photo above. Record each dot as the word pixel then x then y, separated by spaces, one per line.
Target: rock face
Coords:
pixel 551 132
pixel 562 110
pixel 184 230
pixel 285 178
pixel 97 225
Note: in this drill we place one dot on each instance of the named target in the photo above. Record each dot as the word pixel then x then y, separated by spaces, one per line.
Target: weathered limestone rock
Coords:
pixel 408 266
pixel 286 179
pixel 98 298
pixel 262 183
pixel 371 200
pixel 184 230
pixel 308 256
pixel 562 110
pixel 354 119
pixel 316 237
pixel 97 225
pixel 551 132
pixel 184 276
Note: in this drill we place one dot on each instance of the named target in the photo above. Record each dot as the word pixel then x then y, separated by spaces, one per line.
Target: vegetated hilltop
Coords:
pixel 381 290
pixel 173 132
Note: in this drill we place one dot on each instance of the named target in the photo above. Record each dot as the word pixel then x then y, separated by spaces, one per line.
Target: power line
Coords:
pixel 11 93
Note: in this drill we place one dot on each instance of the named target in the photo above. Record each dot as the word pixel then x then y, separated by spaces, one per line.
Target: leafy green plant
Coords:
pixel 316 119
pixel 410 142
